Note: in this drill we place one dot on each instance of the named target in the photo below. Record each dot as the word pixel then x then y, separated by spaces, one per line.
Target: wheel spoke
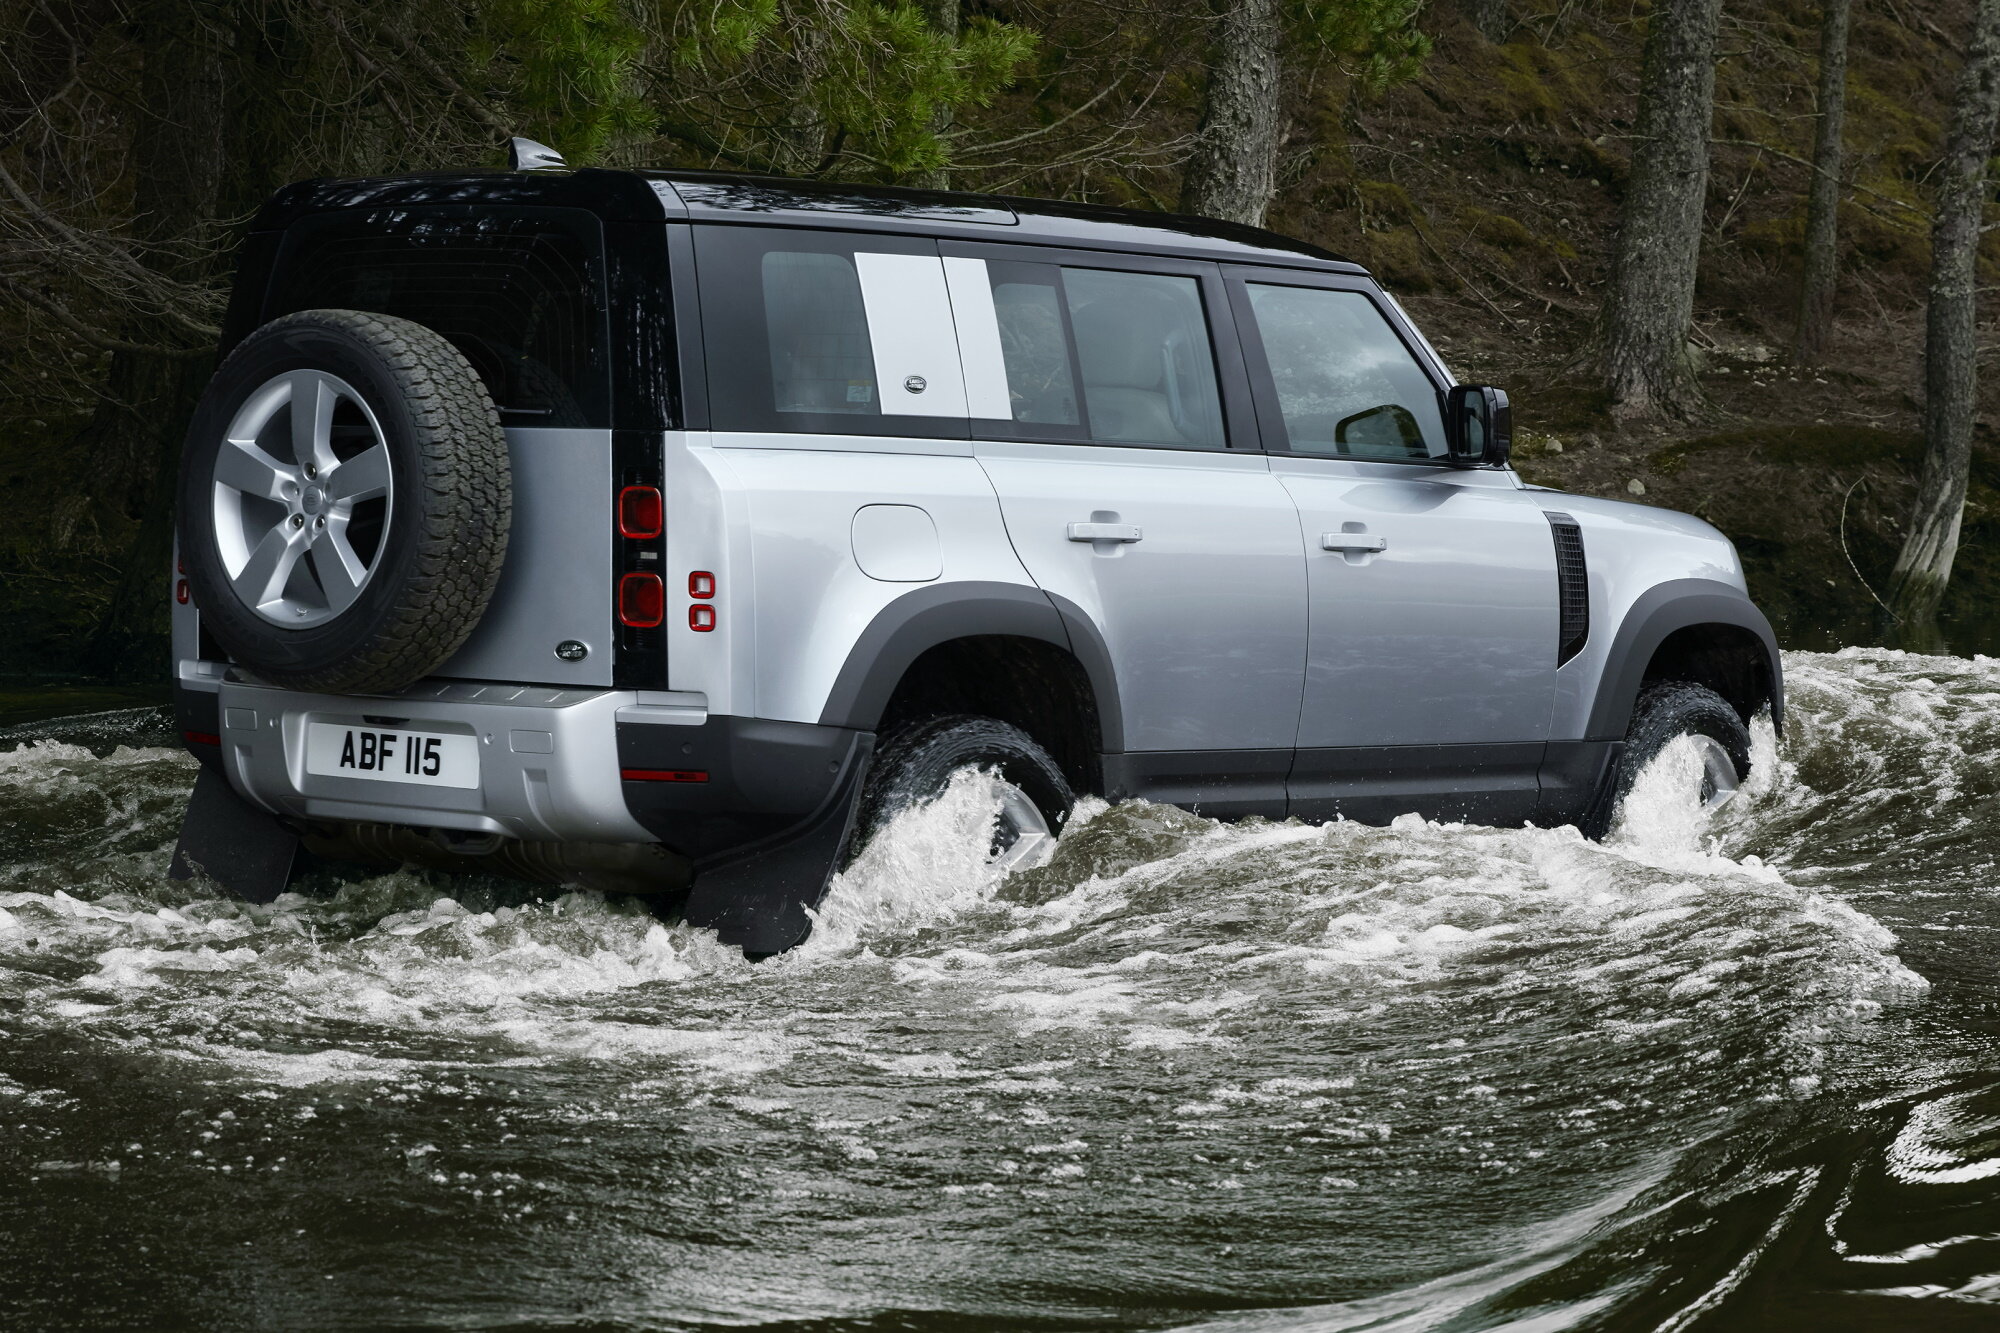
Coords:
pixel 312 418
pixel 269 568
pixel 362 477
pixel 340 570
pixel 246 468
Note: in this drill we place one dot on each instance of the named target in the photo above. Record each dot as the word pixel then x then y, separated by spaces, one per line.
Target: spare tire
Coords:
pixel 345 497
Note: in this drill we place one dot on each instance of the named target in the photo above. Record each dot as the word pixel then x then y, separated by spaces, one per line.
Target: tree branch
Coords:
pixel 103 342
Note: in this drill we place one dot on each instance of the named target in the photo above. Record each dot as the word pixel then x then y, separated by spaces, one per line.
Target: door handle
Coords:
pixel 1351 541
pixel 1105 532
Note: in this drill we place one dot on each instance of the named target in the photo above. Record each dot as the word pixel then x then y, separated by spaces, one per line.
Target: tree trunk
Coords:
pixel 1923 568
pixel 136 434
pixel 1822 271
pixel 1650 307
pixel 1234 170
pixel 944 18
pixel 1490 17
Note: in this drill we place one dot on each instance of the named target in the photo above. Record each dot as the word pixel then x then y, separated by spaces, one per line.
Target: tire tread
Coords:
pixel 461 522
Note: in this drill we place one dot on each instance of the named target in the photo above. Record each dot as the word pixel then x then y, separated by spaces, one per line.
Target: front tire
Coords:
pixel 1664 713
pixel 916 762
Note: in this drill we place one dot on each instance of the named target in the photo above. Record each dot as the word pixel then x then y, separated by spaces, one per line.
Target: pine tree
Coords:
pixel 1233 171
pixel 1923 568
pixel 1650 306
pixel 1822 267
pixel 833 88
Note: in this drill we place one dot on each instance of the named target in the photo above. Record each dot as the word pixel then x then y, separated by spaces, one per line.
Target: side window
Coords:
pixel 1345 383
pixel 1148 373
pixel 519 291
pixel 1035 347
pixel 1087 354
pixel 827 333
pixel 816 334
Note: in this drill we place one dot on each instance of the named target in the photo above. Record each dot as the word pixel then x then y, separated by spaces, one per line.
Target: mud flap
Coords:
pixel 756 898
pixel 232 842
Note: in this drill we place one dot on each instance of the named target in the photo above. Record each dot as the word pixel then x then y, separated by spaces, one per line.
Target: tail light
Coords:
pixel 701 619
pixel 642 512
pixel 638 505
pixel 701 585
pixel 181 593
pixel 642 600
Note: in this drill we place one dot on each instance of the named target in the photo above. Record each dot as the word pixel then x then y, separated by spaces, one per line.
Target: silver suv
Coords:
pixel 667 532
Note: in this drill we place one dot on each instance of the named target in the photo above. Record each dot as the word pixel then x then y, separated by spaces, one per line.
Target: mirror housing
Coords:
pixel 1478 425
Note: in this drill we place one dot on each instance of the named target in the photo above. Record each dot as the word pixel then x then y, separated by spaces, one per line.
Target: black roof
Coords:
pixel 655 196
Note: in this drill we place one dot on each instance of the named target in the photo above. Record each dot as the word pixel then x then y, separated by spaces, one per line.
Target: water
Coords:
pixel 1716 1073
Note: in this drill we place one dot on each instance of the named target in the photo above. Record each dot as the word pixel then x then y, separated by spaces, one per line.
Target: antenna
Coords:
pixel 527 155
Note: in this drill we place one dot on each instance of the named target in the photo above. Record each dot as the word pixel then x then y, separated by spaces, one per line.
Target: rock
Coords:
pixel 1636 486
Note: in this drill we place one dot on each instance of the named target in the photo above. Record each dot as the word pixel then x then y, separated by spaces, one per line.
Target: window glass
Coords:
pixel 786 335
pixel 519 292
pixel 1034 345
pixel 816 333
pixel 1345 382
pixel 1143 351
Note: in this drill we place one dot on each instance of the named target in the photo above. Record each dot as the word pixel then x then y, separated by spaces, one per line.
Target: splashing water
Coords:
pixel 1262 1075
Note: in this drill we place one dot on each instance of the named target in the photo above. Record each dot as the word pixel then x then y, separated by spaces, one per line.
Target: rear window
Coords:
pixel 519 291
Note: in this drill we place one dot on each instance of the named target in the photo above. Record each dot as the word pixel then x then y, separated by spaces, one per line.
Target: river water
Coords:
pixel 1253 1077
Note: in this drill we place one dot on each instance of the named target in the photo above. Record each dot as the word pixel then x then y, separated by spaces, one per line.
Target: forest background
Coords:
pixel 1485 158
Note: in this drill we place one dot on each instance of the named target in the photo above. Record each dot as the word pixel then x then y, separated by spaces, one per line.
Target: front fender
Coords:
pixel 1658 612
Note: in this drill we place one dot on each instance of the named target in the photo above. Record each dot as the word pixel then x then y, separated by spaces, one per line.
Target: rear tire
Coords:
pixel 916 763
pixel 1663 713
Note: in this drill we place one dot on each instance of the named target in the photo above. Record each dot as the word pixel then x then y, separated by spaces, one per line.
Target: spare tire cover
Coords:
pixel 345 498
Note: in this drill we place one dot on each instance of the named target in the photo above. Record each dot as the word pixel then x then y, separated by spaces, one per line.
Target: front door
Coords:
pixel 1431 661
pixel 1100 414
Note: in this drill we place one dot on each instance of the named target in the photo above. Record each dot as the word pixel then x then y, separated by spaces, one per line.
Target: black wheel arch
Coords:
pixel 1697 630
pixel 939 617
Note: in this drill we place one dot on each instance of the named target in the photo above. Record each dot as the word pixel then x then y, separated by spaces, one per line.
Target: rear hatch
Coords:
pixel 521 292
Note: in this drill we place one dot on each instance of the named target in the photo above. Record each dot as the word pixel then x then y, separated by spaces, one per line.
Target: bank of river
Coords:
pixel 1256 1077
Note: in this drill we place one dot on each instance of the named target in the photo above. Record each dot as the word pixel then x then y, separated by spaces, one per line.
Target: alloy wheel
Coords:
pixel 1718 771
pixel 1022 839
pixel 302 498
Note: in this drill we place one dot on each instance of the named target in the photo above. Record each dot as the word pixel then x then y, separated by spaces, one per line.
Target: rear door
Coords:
pixel 521 292
pixel 1430 674
pixel 1104 393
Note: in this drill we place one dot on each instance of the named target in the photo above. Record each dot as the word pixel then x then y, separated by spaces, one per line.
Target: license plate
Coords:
pixel 384 754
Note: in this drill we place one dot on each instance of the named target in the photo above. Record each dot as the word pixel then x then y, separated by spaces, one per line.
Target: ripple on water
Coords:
pixel 1185 1065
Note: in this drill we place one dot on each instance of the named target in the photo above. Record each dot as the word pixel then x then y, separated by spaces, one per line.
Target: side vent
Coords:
pixel 1572 586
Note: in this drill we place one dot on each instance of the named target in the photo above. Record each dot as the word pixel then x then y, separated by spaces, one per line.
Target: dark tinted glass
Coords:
pixel 785 333
pixel 519 291
pixel 816 334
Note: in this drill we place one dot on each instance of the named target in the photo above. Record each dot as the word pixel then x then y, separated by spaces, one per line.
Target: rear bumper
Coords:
pixel 556 765
pixel 548 768
pixel 765 781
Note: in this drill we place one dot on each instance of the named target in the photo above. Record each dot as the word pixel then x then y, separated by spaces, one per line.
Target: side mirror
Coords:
pixel 1478 425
